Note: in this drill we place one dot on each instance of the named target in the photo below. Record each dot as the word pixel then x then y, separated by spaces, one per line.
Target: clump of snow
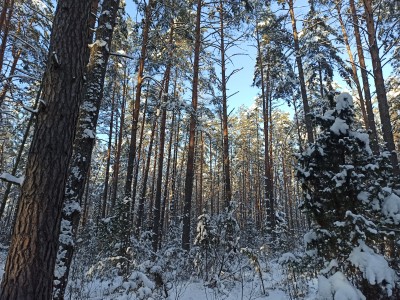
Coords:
pixel 364 138
pixel 373 266
pixel 343 101
pixel 337 287
pixel 339 127
pixel 391 207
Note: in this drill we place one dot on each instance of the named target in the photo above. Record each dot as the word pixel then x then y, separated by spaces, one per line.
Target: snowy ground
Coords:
pixel 247 287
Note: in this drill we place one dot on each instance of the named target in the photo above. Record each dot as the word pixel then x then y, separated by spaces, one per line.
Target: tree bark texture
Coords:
pixel 84 142
pixel 32 254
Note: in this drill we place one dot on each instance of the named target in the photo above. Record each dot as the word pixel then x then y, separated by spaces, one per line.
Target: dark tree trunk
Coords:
pixel 227 176
pixel 142 196
pixel 6 13
pixel 364 76
pixel 157 203
pixel 353 65
pixel 299 63
pixel 192 134
pixel 92 96
pixel 380 86
pixel 139 85
pixel 119 145
pixel 32 254
pixel 108 163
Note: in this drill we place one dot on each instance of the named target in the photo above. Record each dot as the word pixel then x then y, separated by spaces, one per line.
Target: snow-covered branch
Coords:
pixel 12 179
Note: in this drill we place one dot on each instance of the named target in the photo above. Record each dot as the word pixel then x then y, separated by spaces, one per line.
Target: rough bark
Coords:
pixel 192 134
pixel 32 254
pixel 92 96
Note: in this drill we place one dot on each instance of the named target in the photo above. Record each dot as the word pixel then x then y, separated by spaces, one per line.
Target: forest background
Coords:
pixel 137 150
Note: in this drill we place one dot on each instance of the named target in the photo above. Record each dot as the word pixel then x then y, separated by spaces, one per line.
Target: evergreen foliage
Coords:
pixel 345 189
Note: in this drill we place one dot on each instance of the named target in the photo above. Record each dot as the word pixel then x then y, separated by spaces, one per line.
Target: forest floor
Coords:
pixel 245 286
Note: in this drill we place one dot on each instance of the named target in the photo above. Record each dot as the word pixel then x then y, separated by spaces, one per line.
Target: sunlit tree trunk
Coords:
pixel 380 86
pixel 32 254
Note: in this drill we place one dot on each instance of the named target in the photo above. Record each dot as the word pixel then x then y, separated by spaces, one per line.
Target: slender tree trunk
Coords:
pixel 92 96
pixel 157 203
pixel 380 86
pixel 6 29
pixel 20 152
pixel 303 89
pixel 142 196
pixel 32 254
pixel 143 53
pixel 192 134
pixel 175 170
pixel 16 56
pixel 138 156
pixel 108 163
pixel 227 176
pixel 164 218
pixel 119 146
pixel 364 76
pixel 353 65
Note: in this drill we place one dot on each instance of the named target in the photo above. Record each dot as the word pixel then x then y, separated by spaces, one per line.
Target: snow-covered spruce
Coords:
pixel 349 197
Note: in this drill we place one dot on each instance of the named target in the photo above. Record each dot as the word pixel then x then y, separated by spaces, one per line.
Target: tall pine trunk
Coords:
pixel 32 254
pixel 364 77
pixel 192 134
pixel 380 86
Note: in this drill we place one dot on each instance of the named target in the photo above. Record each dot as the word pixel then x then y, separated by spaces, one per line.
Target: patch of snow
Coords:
pixel 339 127
pixel 337 287
pixel 374 266
pixel 391 207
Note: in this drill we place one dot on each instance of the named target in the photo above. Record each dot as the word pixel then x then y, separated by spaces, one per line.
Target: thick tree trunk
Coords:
pixel 380 86
pixel 299 63
pixel 32 254
pixel 192 135
pixel 92 96
pixel 364 76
